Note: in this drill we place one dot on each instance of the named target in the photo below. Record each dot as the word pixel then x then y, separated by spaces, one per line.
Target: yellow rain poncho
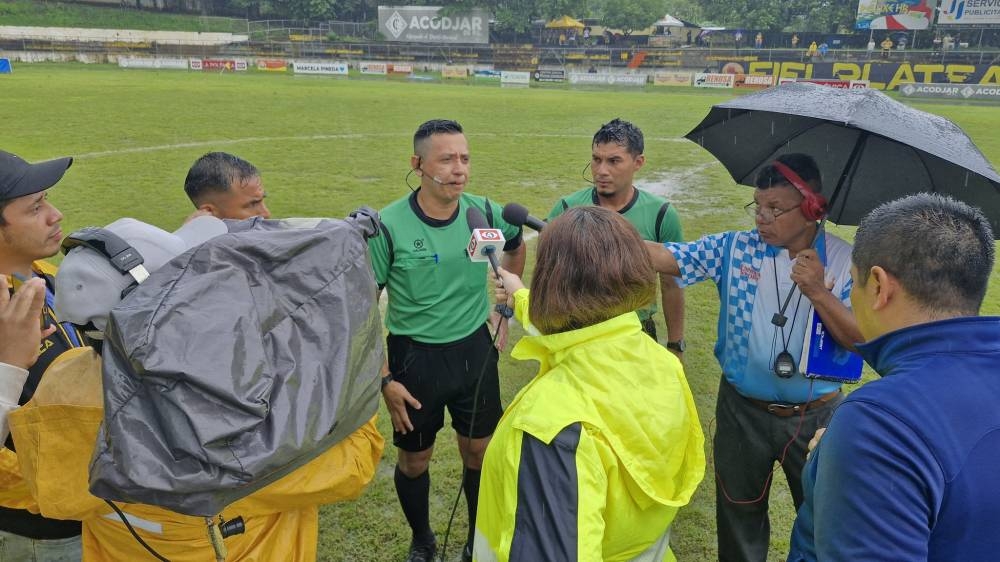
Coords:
pixel 55 434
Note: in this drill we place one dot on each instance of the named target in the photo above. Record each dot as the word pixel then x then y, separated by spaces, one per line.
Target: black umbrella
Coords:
pixel 870 148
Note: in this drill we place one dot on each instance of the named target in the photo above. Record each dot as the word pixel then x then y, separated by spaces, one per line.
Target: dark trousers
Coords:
pixel 748 441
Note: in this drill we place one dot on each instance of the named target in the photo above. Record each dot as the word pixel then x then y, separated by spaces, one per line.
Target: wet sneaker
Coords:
pixel 467 553
pixel 422 552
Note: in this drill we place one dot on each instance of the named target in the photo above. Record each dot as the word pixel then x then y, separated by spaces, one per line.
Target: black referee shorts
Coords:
pixel 445 375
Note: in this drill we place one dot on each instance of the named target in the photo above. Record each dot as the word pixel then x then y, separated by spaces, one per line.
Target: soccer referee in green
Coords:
pixel 439 342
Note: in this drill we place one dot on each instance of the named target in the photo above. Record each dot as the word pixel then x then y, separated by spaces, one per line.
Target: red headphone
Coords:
pixel 813 204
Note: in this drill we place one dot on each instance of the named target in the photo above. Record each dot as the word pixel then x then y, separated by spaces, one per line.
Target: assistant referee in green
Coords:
pixel 439 318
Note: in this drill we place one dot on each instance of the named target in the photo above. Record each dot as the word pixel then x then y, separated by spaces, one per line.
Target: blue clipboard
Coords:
pixel 823 358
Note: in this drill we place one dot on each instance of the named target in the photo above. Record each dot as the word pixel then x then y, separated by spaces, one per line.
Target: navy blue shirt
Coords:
pixel 909 468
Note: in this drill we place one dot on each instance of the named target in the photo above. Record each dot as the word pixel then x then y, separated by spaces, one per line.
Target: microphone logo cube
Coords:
pixel 483 242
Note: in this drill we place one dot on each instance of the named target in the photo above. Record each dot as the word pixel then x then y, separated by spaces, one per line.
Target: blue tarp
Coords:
pixel 5 67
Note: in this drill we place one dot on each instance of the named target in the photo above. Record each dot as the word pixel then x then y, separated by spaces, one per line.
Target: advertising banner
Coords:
pixel 896 14
pixel 969 12
pixel 511 77
pixel 487 74
pixel 881 76
pixel 831 82
pixel 546 75
pixel 374 68
pixel 423 24
pixel 629 80
pixel 753 81
pixel 672 79
pixel 401 68
pixel 339 68
pixel 953 91
pixel 219 65
pixel 448 71
pixel 272 65
pixel 146 62
pixel 703 80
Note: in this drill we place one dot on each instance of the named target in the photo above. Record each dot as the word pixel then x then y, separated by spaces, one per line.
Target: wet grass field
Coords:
pixel 326 146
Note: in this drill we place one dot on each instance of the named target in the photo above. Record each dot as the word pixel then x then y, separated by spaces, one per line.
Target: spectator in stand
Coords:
pixel 795 40
pixel 886 47
pixel 758 42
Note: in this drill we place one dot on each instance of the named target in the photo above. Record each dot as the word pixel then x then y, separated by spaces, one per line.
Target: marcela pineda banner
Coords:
pixel 304 67
pixel 424 24
pixel 895 14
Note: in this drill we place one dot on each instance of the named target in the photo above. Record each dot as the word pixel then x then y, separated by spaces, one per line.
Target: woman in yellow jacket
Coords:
pixel 593 458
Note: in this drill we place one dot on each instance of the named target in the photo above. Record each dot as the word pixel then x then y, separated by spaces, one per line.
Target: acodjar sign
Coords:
pixel 424 24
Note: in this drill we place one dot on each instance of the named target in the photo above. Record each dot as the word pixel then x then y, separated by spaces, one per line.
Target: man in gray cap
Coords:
pixel 29 232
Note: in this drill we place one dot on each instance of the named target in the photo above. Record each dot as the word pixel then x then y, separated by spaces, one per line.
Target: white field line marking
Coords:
pixel 341 136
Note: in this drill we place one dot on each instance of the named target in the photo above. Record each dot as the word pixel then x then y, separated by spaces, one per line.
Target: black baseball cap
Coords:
pixel 19 178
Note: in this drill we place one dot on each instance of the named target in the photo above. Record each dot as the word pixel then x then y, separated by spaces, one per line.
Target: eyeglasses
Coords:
pixel 766 214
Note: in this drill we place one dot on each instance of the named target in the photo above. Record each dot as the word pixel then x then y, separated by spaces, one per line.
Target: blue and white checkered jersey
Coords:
pixel 753 279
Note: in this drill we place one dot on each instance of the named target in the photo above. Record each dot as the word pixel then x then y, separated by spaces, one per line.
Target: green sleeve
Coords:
pixel 378 251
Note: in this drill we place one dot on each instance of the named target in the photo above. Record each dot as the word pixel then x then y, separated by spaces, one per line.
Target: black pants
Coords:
pixel 748 441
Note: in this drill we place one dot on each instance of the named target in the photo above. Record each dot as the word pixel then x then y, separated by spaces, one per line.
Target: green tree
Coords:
pixel 827 16
pixel 632 15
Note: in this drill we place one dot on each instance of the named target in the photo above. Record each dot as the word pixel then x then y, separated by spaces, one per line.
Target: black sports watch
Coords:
pixel 386 380
pixel 678 345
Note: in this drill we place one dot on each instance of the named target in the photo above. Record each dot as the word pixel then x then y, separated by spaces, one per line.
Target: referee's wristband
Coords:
pixel 386 380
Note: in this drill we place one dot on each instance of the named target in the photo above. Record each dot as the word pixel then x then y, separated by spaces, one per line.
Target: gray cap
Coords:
pixel 19 178
pixel 88 286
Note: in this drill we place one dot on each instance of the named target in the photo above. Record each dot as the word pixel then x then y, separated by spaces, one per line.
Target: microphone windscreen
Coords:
pixel 515 214
pixel 476 219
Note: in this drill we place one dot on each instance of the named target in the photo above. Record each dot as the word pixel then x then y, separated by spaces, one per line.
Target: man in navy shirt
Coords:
pixel 907 469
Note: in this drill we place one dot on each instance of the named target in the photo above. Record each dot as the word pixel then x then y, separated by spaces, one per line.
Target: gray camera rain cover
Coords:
pixel 238 362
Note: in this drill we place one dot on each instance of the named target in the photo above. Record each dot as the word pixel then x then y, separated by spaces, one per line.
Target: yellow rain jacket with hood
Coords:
pixel 55 434
pixel 593 458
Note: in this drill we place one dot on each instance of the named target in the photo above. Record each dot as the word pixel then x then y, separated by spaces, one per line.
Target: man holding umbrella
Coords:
pixel 766 410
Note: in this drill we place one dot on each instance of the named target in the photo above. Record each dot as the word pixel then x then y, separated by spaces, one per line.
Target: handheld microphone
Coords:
pixel 517 215
pixel 483 246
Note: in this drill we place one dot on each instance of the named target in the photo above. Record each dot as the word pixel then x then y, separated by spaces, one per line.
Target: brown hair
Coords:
pixel 592 266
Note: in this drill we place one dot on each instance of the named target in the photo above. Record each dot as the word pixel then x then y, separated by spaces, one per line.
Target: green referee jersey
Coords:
pixel 436 293
pixel 654 218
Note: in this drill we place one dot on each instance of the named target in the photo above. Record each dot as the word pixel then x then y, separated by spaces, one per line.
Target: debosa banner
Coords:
pixel 423 24
pixel 882 76
pixel 969 12
pixel 895 14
